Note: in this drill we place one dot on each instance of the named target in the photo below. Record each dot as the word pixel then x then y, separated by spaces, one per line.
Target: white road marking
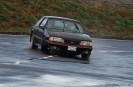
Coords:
pixel 50 56
pixel 59 81
pixel 45 57
pixel 19 62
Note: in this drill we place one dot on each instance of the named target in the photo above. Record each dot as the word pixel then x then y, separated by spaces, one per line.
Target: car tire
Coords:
pixel 85 56
pixel 44 49
pixel 33 46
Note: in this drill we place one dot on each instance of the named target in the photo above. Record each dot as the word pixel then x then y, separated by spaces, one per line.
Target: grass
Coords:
pixel 19 16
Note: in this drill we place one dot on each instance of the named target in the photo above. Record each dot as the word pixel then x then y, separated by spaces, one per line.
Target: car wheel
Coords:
pixel 85 56
pixel 33 46
pixel 44 49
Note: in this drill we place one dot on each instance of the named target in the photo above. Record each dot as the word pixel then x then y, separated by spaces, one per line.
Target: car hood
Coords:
pixel 71 36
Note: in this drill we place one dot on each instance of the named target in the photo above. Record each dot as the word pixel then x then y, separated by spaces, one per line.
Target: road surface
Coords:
pixel 110 65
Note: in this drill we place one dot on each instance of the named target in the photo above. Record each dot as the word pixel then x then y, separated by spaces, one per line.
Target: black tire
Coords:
pixel 85 56
pixel 33 46
pixel 44 48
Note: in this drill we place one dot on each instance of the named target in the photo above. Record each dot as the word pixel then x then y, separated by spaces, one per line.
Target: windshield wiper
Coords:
pixel 77 27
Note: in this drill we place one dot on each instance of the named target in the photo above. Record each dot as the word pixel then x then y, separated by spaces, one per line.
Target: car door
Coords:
pixel 35 29
pixel 40 30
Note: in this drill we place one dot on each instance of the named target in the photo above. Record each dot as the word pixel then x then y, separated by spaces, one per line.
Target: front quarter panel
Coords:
pixel 87 37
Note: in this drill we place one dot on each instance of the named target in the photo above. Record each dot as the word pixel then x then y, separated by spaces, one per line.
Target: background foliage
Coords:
pixel 18 16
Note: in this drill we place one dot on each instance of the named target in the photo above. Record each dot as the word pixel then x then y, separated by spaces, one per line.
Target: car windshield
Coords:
pixel 64 26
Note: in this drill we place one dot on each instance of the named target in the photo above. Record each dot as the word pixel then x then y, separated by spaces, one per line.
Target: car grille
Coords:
pixel 72 42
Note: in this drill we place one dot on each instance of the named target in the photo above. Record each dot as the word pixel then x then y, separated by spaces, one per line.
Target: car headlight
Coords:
pixel 57 39
pixel 86 43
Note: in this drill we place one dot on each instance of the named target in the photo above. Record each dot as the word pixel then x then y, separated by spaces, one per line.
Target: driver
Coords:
pixel 51 24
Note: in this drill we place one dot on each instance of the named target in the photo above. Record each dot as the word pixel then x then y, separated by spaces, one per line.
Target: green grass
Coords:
pixel 19 16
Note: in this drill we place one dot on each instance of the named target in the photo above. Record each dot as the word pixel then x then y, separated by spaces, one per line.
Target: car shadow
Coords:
pixel 74 58
pixel 54 56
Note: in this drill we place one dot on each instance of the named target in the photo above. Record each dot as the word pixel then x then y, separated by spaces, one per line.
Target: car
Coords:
pixel 60 34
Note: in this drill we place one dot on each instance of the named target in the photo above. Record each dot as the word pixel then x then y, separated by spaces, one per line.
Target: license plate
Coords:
pixel 72 48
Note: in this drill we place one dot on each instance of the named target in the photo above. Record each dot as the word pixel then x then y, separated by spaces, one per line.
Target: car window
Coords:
pixel 50 24
pixel 71 26
pixel 64 25
pixel 80 27
pixel 38 22
pixel 55 24
pixel 59 23
pixel 43 22
pixel 74 27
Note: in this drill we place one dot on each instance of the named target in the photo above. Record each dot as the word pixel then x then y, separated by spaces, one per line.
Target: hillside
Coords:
pixel 99 17
pixel 110 3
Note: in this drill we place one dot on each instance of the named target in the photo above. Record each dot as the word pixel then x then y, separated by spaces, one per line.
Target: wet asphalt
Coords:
pixel 110 65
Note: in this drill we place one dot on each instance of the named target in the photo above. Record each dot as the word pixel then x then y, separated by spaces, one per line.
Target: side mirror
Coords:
pixel 42 27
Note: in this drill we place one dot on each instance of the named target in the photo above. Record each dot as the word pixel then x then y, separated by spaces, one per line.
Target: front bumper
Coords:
pixel 62 47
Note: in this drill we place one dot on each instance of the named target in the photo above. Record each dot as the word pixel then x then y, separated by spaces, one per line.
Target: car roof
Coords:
pixel 61 18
